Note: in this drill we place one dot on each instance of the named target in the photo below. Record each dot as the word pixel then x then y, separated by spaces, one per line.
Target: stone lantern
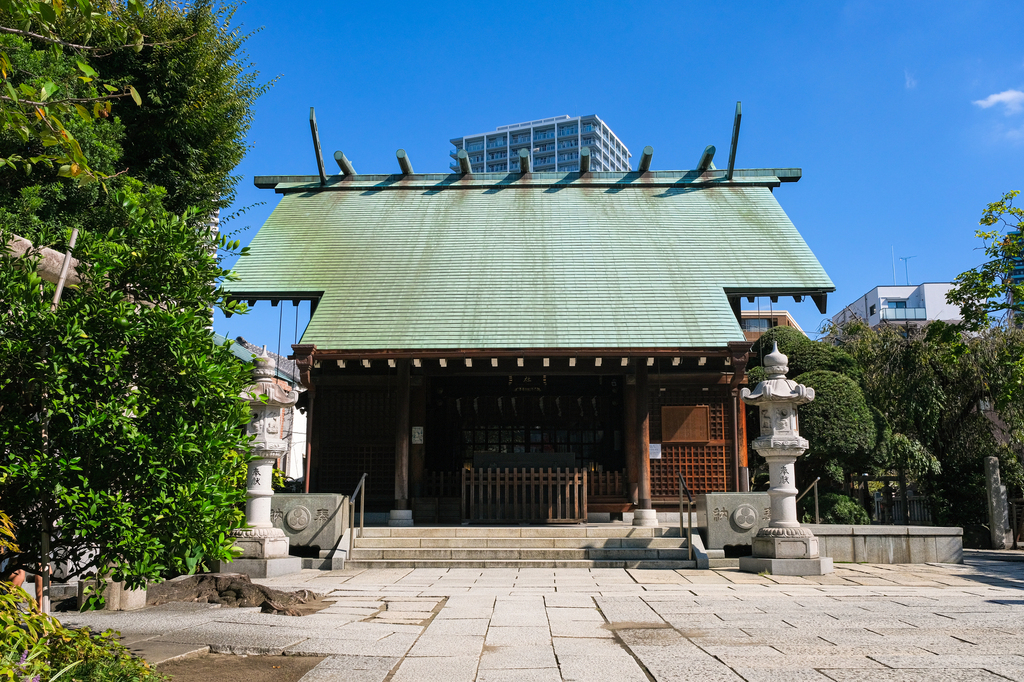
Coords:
pixel 264 547
pixel 783 547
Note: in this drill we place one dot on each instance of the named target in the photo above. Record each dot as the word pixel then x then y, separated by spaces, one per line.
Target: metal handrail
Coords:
pixel 361 491
pixel 817 517
pixel 689 516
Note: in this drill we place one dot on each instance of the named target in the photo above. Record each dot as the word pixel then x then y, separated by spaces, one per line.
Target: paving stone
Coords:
pixel 780 675
pixel 666 668
pixel 954 661
pixel 515 636
pixel 397 644
pixel 467 626
pixel 652 637
pixel 627 610
pixel 599 648
pixel 519 675
pixel 441 669
pixel 568 600
pixel 574 614
pixel 604 669
pixel 508 657
pixel 239 639
pixel 929 675
pixel 447 645
pixel 583 629
pixel 156 652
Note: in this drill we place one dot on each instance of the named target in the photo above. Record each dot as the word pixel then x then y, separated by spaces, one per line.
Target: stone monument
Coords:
pixel 264 547
pixel 998 506
pixel 783 547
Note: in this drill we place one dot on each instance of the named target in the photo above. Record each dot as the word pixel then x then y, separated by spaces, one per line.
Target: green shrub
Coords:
pixel 834 508
pixel 37 646
pixel 839 427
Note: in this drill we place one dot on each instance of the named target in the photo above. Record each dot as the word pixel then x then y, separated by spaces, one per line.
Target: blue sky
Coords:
pixel 906 118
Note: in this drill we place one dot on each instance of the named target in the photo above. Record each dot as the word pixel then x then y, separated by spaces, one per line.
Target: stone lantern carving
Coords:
pixel 783 547
pixel 264 547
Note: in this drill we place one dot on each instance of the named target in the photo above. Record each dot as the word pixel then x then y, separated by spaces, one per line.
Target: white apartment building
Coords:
pixel 554 144
pixel 914 305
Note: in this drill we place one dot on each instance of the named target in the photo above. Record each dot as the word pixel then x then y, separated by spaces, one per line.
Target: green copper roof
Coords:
pixel 439 262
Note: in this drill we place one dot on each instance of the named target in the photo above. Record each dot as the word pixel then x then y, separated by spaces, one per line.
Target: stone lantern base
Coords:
pixel 785 551
pixel 264 554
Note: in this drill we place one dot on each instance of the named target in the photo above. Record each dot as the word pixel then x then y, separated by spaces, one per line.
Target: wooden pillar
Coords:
pixel 739 430
pixel 402 437
pixel 417 451
pixel 632 446
pixel 643 435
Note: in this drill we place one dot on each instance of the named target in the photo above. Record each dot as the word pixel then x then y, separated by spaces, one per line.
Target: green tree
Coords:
pixel 120 421
pixel 990 294
pixel 839 428
pixel 935 395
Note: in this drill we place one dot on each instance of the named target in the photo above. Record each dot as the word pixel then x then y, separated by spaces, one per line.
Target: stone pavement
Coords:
pixel 865 622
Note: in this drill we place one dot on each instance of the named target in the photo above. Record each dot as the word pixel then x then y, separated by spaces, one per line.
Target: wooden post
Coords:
pixel 402 437
pixel 417 451
pixel 740 431
pixel 643 435
pixel 632 451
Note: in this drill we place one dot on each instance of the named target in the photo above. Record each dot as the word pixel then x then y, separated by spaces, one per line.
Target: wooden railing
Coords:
pixel 531 495
pixel 606 484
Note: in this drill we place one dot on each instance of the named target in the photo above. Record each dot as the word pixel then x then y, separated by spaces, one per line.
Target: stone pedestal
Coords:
pixel 400 517
pixel 783 547
pixel 645 517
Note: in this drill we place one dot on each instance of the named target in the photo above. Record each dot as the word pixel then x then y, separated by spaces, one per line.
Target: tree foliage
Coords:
pixel 839 427
pixel 119 419
pixel 937 403
pixel 990 294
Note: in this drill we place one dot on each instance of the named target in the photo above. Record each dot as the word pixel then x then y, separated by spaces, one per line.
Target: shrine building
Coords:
pixel 508 347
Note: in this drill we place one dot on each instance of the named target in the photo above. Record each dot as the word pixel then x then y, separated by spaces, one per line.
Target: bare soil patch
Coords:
pixel 228 668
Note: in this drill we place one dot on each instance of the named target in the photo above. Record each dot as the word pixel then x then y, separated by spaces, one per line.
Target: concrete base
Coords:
pixel 261 568
pixel 754 564
pixel 645 517
pixel 400 517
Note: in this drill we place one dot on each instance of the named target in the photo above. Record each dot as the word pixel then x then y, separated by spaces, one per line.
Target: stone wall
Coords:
pixel 890 544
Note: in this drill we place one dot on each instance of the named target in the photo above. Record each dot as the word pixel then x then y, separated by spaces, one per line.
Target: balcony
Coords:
pixel 903 314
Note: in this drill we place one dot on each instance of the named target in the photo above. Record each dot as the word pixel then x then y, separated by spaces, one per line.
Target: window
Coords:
pixel 871 311
pixel 755 325
pixel 896 304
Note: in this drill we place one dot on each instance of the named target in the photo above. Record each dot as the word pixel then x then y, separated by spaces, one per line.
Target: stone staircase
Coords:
pixel 580 546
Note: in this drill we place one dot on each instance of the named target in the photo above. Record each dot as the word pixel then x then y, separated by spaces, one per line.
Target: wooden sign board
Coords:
pixel 685 424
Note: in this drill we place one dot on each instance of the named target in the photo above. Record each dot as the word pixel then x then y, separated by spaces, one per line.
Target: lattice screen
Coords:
pixel 706 466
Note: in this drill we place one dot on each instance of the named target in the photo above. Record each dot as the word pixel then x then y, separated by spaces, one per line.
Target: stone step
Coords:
pixel 498 554
pixel 523 563
pixel 609 531
pixel 515 542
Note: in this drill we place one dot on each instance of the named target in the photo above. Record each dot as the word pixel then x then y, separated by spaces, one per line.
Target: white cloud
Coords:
pixel 1013 100
pixel 911 82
